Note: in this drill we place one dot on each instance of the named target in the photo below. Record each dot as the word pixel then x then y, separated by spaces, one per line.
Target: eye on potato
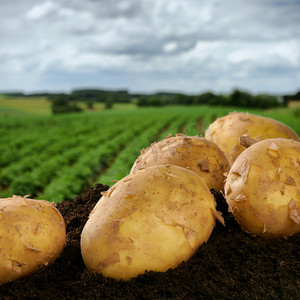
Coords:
pixel 226 131
pixel 152 219
pixel 32 235
pixel 263 188
pixel 197 154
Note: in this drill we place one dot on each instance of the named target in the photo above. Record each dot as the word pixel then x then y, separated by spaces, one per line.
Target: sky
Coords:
pixel 189 46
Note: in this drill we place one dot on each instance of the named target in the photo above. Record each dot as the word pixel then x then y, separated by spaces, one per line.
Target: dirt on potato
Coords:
pixel 231 265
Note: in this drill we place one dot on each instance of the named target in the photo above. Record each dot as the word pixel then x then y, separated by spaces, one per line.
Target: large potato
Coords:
pixel 226 131
pixel 32 235
pixel 263 188
pixel 197 154
pixel 152 219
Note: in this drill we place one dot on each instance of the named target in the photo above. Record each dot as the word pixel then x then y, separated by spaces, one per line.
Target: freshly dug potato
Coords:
pixel 226 131
pixel 197 154
pixel 263 188
pixel 32 235
pixel 152 219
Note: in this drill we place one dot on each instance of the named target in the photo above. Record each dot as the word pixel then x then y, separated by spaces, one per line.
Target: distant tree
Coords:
pixel 287 98
pixel 142 101
pixel 90 105
pixel 241 98
pixel 218 100
pixel 265 101
pixel 61 103
pixel 182 99
pixel 206 98
pixel 155 101
pixel 109 102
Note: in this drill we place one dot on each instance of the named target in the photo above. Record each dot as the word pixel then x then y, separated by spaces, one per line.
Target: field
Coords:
pixel 40 106
pixel 58 157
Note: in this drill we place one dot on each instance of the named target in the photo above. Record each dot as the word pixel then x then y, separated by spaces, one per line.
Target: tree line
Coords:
pixel 62 102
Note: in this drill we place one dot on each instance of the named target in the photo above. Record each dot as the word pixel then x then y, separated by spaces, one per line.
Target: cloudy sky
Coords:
pixel 189 46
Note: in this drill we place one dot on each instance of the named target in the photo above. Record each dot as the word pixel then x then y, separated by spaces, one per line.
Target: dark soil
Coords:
pixel 231 265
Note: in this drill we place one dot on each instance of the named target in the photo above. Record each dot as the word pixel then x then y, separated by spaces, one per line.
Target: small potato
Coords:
pixel 197 154
pixel 32 235
pixel 263 188
pixel 226 131
pixel 152 219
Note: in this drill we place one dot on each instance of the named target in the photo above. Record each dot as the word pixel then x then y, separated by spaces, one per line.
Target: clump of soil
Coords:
pixel 231 265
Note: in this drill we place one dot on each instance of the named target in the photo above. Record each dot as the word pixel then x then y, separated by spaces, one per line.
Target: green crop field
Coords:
pixel 40 106
pixel 58 157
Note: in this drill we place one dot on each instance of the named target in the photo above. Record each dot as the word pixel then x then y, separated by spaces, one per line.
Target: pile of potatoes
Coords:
pixel 163 210
pixel 262 188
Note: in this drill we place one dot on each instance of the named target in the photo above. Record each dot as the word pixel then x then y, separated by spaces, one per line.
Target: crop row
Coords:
pixel 56 158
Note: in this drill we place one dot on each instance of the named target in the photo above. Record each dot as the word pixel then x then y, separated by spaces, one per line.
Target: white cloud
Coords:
pixel 41 10
pixel 170 46
pixel 151 44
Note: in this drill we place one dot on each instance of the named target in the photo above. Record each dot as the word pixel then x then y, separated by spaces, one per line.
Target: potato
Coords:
pixel 225 131
pixel 152 219
pixel 32 235
pixel 263 188
pixel 193 152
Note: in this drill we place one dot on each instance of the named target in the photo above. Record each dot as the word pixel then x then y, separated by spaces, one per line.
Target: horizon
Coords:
pixel 70 91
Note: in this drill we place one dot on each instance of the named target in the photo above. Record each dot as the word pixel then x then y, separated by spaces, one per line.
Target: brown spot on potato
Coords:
pixel 293 212
pixel 276 162
pixel 37 227
pixel 17 266
pixel 115 226
pixel 290 181
pixel 246 141
pixel 228 189
pixel 204 165
pixel 110 260
pixel 18 228
pixel 129 260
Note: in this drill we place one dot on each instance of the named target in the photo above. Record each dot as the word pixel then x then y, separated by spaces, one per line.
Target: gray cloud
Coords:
pixel 151 44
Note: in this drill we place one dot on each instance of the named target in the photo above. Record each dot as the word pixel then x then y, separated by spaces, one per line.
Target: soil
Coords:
pixel 231 265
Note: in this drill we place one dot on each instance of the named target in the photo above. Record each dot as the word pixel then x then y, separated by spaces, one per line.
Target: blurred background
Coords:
pixel 147 46
pixel 98 74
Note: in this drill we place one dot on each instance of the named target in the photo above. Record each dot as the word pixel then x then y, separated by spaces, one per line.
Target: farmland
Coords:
pixel 37 106
pixel 57 157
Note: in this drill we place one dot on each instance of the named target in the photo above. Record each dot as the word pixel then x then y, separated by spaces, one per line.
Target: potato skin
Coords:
pixel 32 235
pixel 263 188
pixel 226 130
pixel 152 219
pixel 197 154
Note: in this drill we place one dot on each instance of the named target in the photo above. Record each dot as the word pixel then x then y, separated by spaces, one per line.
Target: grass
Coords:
pixel 40 106
pixel 27 106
